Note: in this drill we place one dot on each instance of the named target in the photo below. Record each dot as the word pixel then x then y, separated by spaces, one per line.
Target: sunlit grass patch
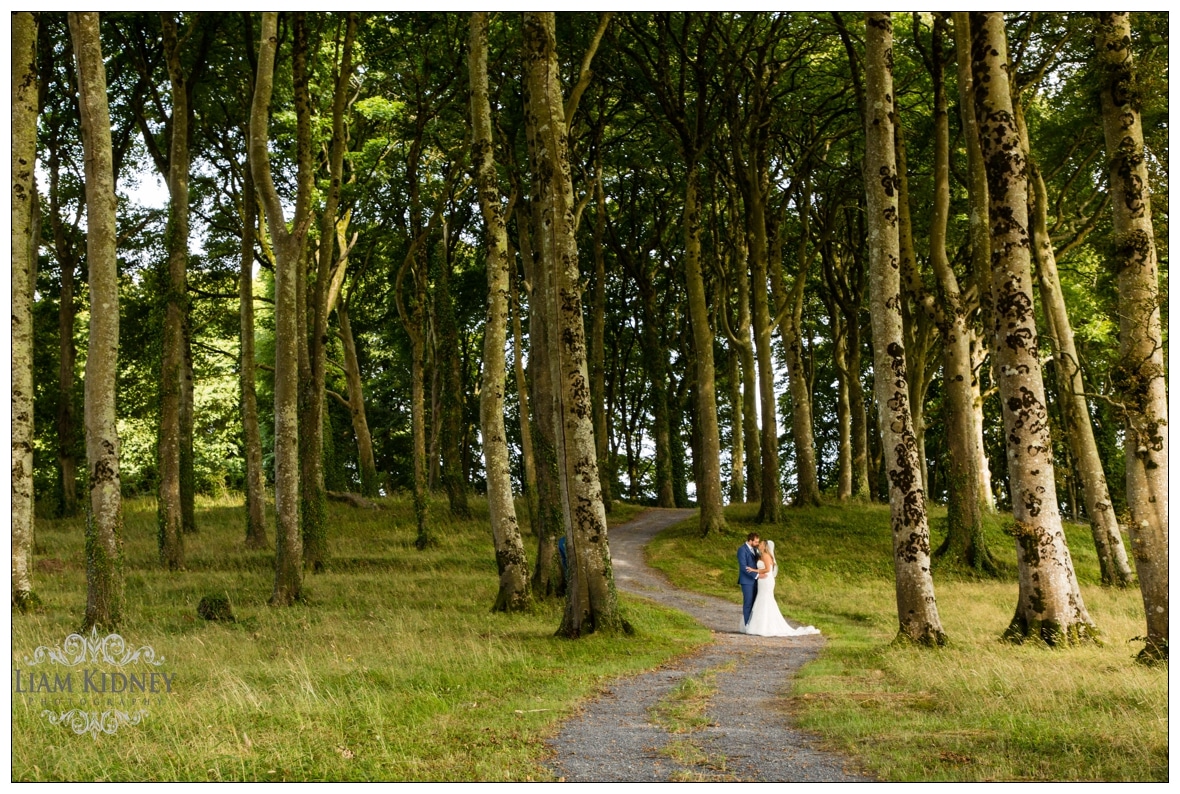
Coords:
pixel 980 709
pixel 392 668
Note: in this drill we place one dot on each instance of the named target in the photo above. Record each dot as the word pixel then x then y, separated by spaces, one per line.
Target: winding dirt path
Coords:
pixel 749 736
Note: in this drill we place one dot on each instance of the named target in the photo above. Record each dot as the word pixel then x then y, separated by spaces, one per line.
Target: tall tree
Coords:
pixel 916 607
pixel 313 493
pixel 965 541
pixel 591 601
pixel 255 485
pixel 1140 377
pixel 1104 525
pixel 104 520
pixel 514 578
pixel 24 266
pixel 1049 605
pixel 288 247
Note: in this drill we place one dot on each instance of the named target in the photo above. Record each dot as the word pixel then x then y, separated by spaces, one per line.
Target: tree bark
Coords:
pixel 1140 378
pixel 255 484
pixel 513 594
pixel 288 253
pixel 916 607
pixel 169 505
pixel 712 519
pixel 527 449
pixel 1050 605
pixel 549 577
pixel 591 601
pixel 655 361
pixel 597 339
pixel 24 268
pixel 104 522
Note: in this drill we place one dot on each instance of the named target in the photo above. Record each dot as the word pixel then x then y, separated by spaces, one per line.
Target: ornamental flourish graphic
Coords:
pixel 88 696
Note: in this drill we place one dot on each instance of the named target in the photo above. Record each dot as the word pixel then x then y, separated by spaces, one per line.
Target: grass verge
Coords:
pixel 393 667
pixel 981 709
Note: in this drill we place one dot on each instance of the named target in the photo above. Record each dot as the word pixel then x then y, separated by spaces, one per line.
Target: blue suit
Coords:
pixel 746 580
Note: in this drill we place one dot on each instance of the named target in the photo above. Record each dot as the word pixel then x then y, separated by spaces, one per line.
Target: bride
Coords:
pixel 765 618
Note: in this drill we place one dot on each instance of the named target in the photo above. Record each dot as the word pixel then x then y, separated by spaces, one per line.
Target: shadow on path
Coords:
pixel 749 736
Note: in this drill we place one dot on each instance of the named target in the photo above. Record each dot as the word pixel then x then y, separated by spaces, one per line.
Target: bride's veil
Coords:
pixel 773 559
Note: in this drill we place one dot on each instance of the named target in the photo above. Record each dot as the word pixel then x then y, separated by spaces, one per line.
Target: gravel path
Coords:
pixel 749 736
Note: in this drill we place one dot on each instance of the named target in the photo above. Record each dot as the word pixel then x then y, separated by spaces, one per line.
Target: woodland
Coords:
pixel 545 265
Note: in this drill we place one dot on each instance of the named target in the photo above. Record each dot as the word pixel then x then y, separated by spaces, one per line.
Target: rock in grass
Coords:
pixel 215 607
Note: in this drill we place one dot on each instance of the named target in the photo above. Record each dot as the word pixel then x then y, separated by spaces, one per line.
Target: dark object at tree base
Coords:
pixel 28 602
pixel 356 500
pixel 216 608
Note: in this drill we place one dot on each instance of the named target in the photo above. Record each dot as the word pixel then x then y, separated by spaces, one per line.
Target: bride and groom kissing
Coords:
pixel 757 569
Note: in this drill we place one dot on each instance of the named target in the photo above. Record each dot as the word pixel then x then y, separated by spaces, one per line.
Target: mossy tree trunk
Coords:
pixel 104 519
pixel 24 268
pixel 513 593
pixel 356 402
pixel 1049 605
pixel 591 601
pixel 288 247
pixel 1140 379
pixel 169 504
pixel 252 439
pixel 598 335
pixel 916 607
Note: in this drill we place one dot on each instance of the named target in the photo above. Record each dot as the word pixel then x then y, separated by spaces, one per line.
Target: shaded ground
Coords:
pixel 749 736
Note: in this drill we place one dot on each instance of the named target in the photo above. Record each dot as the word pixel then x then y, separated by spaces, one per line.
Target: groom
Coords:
pixel 748 574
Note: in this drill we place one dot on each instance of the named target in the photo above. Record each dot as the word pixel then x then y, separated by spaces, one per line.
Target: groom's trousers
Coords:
pixel 748 592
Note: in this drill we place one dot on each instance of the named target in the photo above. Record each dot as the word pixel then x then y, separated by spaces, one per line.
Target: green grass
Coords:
pixel 981 709
pixel 392 669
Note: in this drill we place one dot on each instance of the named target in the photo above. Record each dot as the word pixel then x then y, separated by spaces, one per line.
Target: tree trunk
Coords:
pixel 104 521
pixel 745 351
pixel 312 416
pixel 1104 525
pixel 843 406
pixel 255 483
pixel 447 363
pixel 965 540
pixel 1050 605
pixel 591 602
pixel 24 268
pixel 980 242
pixel 655 361
pixel 756 230
pixel 598 340
pixel 356 403
pixel 527 450
pixel 169 506
pixel 288 247
pixel 737 457
pixel 513 567
pixel 806 473
pixel 66 250
pixel 708 480
pixel 1140 379
pixel 549 576
pixel 916 608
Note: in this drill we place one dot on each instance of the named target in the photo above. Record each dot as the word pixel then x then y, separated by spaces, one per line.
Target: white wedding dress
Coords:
pixel 765 618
